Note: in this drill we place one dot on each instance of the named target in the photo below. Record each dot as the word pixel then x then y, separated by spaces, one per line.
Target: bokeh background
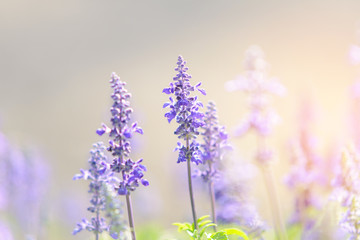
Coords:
pixel 56 58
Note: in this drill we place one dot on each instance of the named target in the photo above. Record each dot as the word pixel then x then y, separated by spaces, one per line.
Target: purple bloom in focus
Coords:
pixel 185 110
pixel 120 133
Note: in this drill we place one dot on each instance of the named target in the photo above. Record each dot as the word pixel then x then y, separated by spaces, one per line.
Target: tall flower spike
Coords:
pixel 120 133
pixel 215 141
pixel 261 119
pixel 185 109
pixel 100 176
pixel 259 87
pixel 307 173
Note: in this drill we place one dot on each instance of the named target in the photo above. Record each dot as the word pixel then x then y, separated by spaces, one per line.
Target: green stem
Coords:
pixel 212 199
pixel 131 218
pixel 190 186
pixel 273 196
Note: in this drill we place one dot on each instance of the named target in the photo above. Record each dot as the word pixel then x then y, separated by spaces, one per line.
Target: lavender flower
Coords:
pixel 260 119
pixel 23 177
pixel 306 173
pixel 258 86
pixel 185 110
pixel 101 177
pixel 120 134
pixel 347 191
pixel 215 142
pixel 234 207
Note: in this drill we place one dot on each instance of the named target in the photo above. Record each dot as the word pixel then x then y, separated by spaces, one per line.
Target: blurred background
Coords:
pixel 56 58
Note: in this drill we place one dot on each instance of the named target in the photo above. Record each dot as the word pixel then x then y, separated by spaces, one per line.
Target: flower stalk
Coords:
pixel 185 110
pixel 120 134
pixel 261 119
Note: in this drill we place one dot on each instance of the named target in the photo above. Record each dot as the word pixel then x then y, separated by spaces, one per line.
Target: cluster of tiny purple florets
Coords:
pixel 120 133
pixel 185 109
pixel 215 142
pixel 100 175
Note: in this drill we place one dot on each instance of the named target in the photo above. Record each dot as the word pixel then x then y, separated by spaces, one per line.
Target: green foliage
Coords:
pixel 204 224
pixel 149 231
pixel 294 231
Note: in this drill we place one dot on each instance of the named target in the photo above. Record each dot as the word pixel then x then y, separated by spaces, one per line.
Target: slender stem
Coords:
pixel 212 198
pixel 190 186
pixel 131 218
pixel 273 196
pixel 272 193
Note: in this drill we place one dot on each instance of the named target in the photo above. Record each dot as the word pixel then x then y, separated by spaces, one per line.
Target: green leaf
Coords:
pixel 235 231
pixel 202 218
pixel 183 226
pixel 294 231
pixel 204 223
pixel 205 227
pixel 221 235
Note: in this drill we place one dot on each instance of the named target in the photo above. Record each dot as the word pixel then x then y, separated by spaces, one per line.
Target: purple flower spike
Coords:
pixel 120 133
pixel 185 110
pixel 259 87
pixel 215 142
pixel 102 181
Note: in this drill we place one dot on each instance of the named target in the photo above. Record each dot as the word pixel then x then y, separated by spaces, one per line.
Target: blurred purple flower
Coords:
pixel 215 142
pixel 24 179
pixel 113 211
pixel 261 119
pixel 120 133
pixel 234 207
pixel 102 184
pixel 5 233
pixel 307 172
pixel 347 192
pixel 258 86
